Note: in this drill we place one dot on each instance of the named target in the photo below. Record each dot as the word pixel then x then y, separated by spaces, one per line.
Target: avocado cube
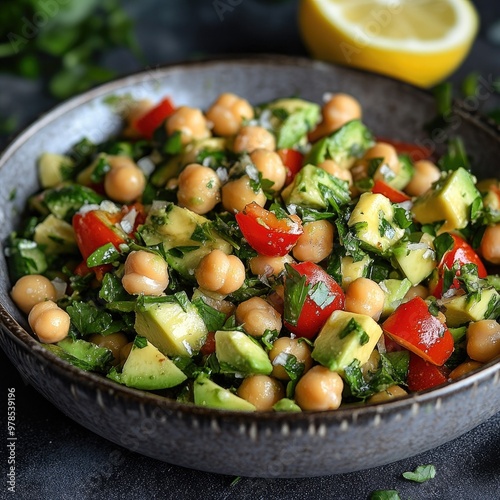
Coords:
pixel 352 270
pixel 395 291
pixel 416 259
pixel 56 235
pixel 54 169
pixel 291 119
pixel 344 146
pixel 238 353
pixel 176 330
pixel 345 337
pixel 470 307
pixel 449 200
pixel 208 393
pixel 312 186
pixel 373 220
pixel 147 368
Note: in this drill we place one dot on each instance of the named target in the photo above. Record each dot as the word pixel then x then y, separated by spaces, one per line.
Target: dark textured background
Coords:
pixel 58 459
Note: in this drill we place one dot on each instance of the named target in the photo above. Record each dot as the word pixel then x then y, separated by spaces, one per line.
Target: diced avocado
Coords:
pixel 238 353
pixel 286 404
pixel 291 119
pixel 344 146
pixel 312 187
pixel 208 393
pixel 395 291
pixel 345 337
pixel 24 257
pixel 54 169
pixel 449 200
pixel 470 307
pixel 177 330
pixel 147 368
pixel 173 227
pixel 352 270
pixel 56 235
pixel 96 358
pixel 416 259
pixel 400 179
pixel 373 220
pixel 66 200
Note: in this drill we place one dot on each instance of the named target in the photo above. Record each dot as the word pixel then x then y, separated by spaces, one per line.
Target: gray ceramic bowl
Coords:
pixel 265 445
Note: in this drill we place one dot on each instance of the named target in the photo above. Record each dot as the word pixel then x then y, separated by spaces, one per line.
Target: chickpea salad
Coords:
pixel 264 257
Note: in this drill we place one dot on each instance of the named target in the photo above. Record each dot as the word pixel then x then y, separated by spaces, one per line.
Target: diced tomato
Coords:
pixel 266 233
pixel 394 195
pixel 96 228
pixel 414 151
pixel 292 159
pixel 209 345
pixel 423 375
pixel 99 271
pixel 152 119
pixel 461 252
pixel 416 329
pixel 313 314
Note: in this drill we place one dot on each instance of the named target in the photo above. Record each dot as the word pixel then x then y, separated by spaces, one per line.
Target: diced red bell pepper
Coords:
pixel 416 329
pixel 394 195
pixel 292 159
pixel 96 228
pixel 423 375
pixel 313 315
pixel 99 271
pixel 152 119
pixel 209 345
pixel 461 252
pixel 266 233
pixel 414 151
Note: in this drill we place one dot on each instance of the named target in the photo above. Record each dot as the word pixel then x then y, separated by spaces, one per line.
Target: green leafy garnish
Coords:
pixel 421 474
pixel 296 291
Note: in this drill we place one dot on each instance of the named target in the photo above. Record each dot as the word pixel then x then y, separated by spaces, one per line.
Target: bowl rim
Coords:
pixel 94 381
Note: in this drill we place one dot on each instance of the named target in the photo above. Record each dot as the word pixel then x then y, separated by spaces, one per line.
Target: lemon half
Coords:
pixel 419 41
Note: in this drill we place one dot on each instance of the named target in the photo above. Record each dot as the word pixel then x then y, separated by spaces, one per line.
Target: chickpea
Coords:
pixel 340 109
pixel 319 389
pixel 392 392
pixel 221 273
pixel 262 391
pixel 257 315
pixel 228 112
pixel 120 161
pixel 252 137
pixel 239 193
pixel 199 188
pixel 333 168
pixel 490 244
pixel 124 184
pixel 114 342
pixel 286 345
pixel 425 174
pixel 416 291
pixel 316 242
pixel 263 265
pixel 463 368
pixel 483 340
pixel 190 122
pixel 125 351
pixel 389 157
pixel 145 273
pixel 269 164
pixel 364 296
pixel 49 322
pixel 32 289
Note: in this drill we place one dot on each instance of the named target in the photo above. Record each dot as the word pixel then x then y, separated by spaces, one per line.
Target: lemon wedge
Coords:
pixel 419 41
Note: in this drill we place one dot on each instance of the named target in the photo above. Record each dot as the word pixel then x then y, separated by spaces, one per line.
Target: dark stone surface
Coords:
pixel 58 459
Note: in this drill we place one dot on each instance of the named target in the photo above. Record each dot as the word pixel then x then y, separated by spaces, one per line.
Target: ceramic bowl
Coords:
pixel 267 444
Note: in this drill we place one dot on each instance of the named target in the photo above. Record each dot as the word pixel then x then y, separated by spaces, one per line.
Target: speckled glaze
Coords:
pixel 268 444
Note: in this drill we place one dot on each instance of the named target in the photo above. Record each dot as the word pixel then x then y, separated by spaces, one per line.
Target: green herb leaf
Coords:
pixel 442 244
pixel 296 291
pixel 213 319
pixel 103 255
pixel 421 474
pixel 385 495
pixel 140 342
